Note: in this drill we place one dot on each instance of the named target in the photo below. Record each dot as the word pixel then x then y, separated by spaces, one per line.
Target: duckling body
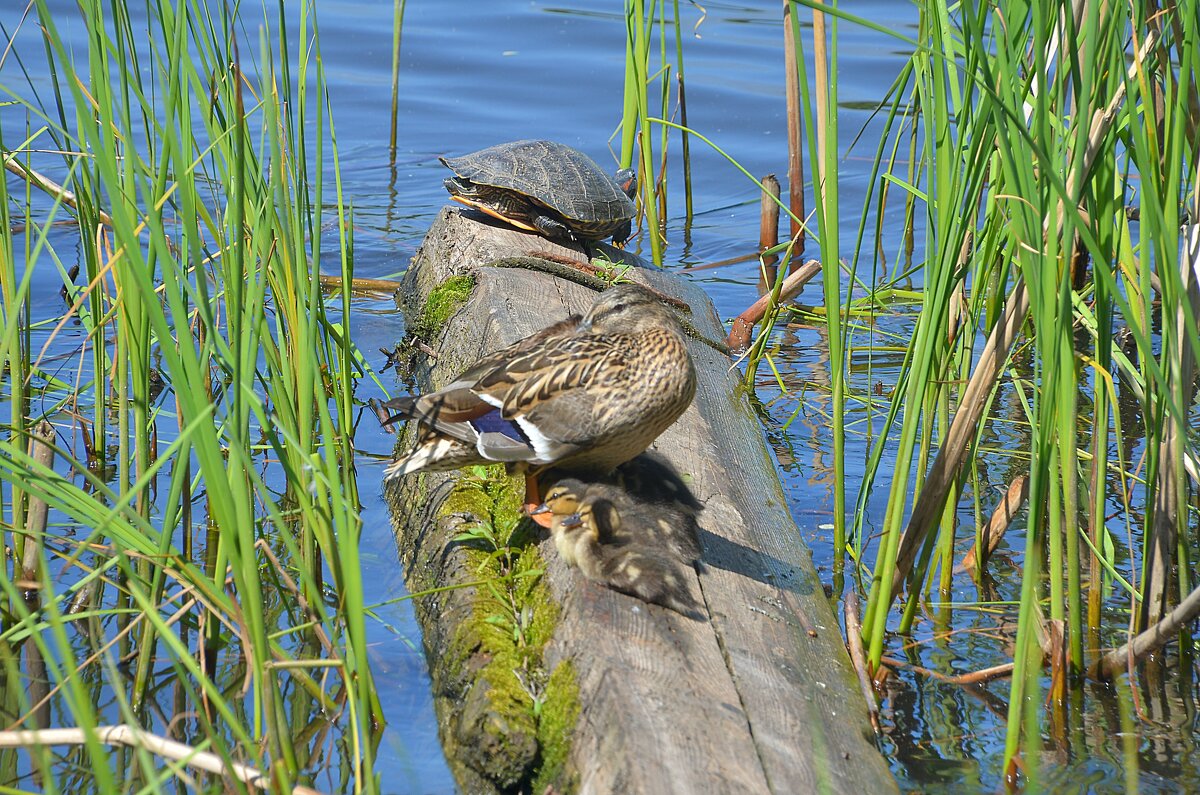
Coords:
pixel 593 534
pixel 585 394
pixel 623 518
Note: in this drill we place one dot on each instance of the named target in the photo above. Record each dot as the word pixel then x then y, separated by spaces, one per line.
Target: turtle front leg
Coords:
pixel 551 227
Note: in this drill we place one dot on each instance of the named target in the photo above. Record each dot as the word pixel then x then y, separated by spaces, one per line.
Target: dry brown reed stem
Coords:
pixel 122 734
pixel 685 144
pixel 48 185
pixel 1148 641
pixel 768 233
pixel 927 511
pixel 858 655
pixel 743 324
pixel 358 285
pixel 795 172
pixel 768 224
pixel 998 523
pixel 821 81
pixel 42 454
pixel 976 678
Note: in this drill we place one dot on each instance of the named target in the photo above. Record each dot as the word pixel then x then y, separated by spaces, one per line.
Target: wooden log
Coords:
pixel 758 698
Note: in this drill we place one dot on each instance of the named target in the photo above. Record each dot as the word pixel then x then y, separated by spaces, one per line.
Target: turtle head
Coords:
pixel 626 180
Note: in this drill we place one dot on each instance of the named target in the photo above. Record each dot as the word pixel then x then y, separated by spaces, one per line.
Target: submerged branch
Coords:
pixel 858 655
pixel 135 738
pixel 972 679
pixel 1151 640
pixel 49 186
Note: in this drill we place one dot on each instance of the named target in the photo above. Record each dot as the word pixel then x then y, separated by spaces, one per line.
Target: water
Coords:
pixel 474 74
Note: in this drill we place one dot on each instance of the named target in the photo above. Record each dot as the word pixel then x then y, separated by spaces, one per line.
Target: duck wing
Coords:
pixel 459 410
pixel 558 394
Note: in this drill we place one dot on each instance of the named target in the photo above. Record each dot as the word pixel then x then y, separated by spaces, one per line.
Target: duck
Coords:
pixel 609 544
pixel 583 395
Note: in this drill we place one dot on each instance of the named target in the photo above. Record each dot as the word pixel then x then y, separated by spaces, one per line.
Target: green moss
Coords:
pixel 556 726
pixel 515 716
pixel 443 301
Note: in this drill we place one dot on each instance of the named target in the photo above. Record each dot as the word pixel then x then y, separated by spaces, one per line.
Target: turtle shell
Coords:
pixel 555 176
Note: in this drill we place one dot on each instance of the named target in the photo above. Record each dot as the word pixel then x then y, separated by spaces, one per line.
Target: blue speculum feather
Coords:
pixel 493 422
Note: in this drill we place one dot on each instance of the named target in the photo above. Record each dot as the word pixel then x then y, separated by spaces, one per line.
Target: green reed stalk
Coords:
pixel 397 27
pixel 684 143
pixel 636 121
pixel 664 110
pixel 819 97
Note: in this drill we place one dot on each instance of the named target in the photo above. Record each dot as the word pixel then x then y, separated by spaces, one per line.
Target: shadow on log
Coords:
pixel 758 697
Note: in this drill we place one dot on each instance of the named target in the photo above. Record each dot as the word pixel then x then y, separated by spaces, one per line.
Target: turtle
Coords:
pixel 545 187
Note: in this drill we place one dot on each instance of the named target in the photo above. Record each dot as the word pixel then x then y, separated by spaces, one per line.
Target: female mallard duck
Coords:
pixel 601 539
pixel 585 394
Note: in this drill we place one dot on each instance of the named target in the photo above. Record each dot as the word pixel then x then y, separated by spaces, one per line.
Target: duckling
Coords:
pixel 585 394
pixel 590 533
pixel 668 526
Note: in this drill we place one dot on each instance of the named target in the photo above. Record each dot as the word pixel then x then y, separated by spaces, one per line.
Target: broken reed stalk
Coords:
pixel 768 232
pixel 1149 641
pixel 997 526
pixel 858 655
pixel 972 679
pixel 122 734
pixel 743 324
pixel 768 219
pixel 795 170
pixel 42 453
